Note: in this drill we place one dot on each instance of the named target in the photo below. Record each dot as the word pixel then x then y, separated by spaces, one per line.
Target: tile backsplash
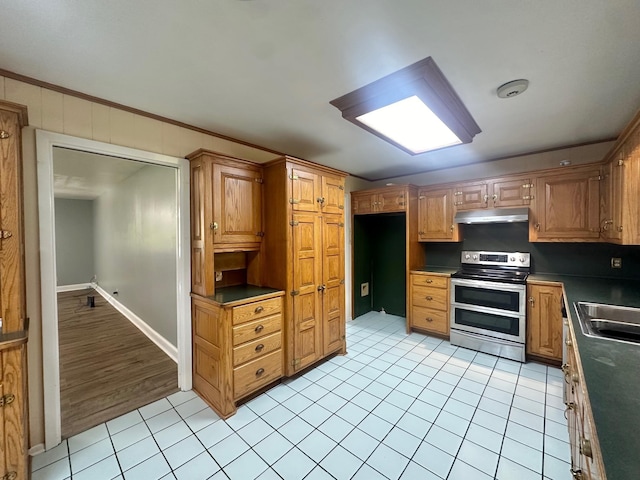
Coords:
pixel 584 259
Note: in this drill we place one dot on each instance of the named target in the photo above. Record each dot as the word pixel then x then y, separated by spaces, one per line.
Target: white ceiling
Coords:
pixel 264 71
pixel 86 176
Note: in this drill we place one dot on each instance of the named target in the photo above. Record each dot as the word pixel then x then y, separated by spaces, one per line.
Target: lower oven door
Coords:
pixel 489 322
pixel 488 308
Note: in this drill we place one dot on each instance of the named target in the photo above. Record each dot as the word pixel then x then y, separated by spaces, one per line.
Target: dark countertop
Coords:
pixel 611 371
pixel 441 270
pixel 239 293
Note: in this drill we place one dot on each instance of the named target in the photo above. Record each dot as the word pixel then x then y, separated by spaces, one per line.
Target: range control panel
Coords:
pixel 507 259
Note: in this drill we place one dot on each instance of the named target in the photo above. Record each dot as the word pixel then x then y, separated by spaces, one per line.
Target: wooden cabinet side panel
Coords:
pixel 212 356
pixel 202 281
pixel 12 293
pixel 628 181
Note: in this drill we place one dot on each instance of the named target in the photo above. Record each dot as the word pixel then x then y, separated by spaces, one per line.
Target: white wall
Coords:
pixel 74 241
pixel 135 227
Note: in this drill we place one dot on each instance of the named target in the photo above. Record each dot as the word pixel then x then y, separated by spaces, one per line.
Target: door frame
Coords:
pixel 45 141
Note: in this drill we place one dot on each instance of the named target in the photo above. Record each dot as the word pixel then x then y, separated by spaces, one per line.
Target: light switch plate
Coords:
pixel 364 289
pixel 616 262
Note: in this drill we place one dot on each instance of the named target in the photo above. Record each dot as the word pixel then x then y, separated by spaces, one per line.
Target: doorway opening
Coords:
pixel 128 283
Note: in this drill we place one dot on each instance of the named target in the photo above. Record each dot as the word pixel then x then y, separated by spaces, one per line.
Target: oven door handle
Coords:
pixel 503 287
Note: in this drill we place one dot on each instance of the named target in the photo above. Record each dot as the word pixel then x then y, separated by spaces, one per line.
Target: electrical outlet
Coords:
pixel 218 276
pixel 364 289
pixel 616 262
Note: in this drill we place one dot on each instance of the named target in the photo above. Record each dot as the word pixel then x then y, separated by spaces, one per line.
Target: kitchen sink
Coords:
pixel 610 322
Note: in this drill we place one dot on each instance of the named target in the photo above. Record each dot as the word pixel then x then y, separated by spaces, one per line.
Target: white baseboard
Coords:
pixel 154 336
pixel 72 288
pixel 36 449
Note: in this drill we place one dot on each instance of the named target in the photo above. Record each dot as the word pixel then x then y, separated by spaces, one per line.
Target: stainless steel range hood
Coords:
pixel 496 215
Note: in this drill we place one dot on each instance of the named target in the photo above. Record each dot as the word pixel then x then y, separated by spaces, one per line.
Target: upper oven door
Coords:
pixel 492 295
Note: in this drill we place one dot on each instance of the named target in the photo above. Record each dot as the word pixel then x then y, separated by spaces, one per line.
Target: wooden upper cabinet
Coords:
pixel 567 206
pixel 544 321
pixel 435 216
pixel 381 200
pixel 620 208
pixel 332 195
pixel 495 193
pixel 471 196
pixel 237 204
pixel 312 192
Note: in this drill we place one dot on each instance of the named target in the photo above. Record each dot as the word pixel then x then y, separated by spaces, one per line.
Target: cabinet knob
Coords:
pixel 259 347
pixel 259 309
pixel 452 227
pixel 486 199
pixel 429 319
pixel 570 406
pixel 429 280
pixel 259 372
pixel 420 233
pixel 429 297
pixel 4 134
pixel 532 301
pixel 213 226
pixel 258 329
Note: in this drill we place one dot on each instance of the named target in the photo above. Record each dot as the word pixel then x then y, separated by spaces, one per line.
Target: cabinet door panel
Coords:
pixel 511 193
pixel 471 196
pixel 435 216
pixel 201 215
pixel 307 277
pixel 391 201
pixel 333 283
pixel 333 195
pixel 362 204
pixel 544 321
pixel 305 191
pixel 237 206
pixel 568 206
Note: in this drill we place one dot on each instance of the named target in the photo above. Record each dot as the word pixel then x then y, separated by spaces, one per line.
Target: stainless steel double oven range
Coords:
pixel 488 303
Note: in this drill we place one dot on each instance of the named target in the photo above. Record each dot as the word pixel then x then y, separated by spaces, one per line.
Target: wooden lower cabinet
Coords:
pixel 237 348
pixel 544 321
pixel 586 459
pixel 429 303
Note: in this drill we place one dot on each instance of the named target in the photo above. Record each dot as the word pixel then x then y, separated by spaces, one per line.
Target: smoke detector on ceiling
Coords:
pixel 513 88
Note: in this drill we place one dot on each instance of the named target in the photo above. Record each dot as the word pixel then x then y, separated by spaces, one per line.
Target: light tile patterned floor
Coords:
pixel 397 406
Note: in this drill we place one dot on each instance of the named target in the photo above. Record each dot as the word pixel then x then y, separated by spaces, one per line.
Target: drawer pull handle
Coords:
pixel 429 319
pixel 259 347
pixel 259 309
pixel 429 297
pixel 429 280
pixel 259 328
pixel 259 372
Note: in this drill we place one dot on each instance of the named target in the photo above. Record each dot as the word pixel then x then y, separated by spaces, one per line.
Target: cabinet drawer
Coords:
pixel 252 311
pixel 430 281
pixel 429 319
pixel 257 373
pixel 256 329
pixel 256 349
pixel 430 297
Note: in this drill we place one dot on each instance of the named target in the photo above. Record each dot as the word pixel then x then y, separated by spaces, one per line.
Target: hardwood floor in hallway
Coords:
pixel 107 366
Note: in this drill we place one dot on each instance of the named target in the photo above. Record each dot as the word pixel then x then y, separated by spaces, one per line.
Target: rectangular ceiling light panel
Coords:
pixel 412 124
pixel 415 109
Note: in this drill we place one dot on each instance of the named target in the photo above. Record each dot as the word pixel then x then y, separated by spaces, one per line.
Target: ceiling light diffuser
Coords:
pixel 415 109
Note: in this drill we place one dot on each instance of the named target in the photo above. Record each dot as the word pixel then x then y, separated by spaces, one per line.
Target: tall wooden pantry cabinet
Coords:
pixel 14 442
pixel 304 256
